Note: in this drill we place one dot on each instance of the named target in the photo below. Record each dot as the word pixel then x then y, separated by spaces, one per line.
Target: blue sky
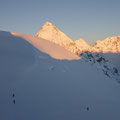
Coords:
pixel 88 19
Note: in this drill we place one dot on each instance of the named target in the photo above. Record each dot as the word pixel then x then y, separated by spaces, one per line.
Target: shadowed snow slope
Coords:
pixel 49 89
pixel 101 63
pixel 114 58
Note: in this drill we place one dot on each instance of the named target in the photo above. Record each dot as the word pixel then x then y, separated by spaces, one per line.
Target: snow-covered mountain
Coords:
pixel 48 47
pixel 35 85
pixel 111 44
pixel 82 46
pixel 56 52
pixel 110 47
pixel 108 52
pixel 49 32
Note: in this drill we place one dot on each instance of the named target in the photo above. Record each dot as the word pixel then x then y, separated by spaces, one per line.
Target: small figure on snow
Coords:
pixel 14 101
pixel 87 108
pixel 13 95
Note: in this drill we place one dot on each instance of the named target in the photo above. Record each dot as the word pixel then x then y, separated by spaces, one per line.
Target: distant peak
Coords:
pixel 48 24
pixel 80 39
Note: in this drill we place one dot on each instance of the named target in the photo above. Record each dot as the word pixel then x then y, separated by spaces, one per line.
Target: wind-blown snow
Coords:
pixel 50 89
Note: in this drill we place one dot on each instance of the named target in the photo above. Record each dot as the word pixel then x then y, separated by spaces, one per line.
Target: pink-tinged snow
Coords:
pixel 48 47
pixel 49 32
pixel 49 89
pixel 110 44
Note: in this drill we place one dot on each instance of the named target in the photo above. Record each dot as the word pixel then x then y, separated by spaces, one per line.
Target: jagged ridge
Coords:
pixel 97 60
pixel 91 54
pixel 50 32
pixel 111 44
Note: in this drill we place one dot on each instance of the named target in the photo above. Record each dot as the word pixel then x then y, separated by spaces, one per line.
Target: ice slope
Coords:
pixel 49 89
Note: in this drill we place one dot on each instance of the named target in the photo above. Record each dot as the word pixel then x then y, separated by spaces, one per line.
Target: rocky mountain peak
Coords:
pixel 111 44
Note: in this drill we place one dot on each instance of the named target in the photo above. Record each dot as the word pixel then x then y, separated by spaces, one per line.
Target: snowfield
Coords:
pixel 48 47
pixel 50 83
